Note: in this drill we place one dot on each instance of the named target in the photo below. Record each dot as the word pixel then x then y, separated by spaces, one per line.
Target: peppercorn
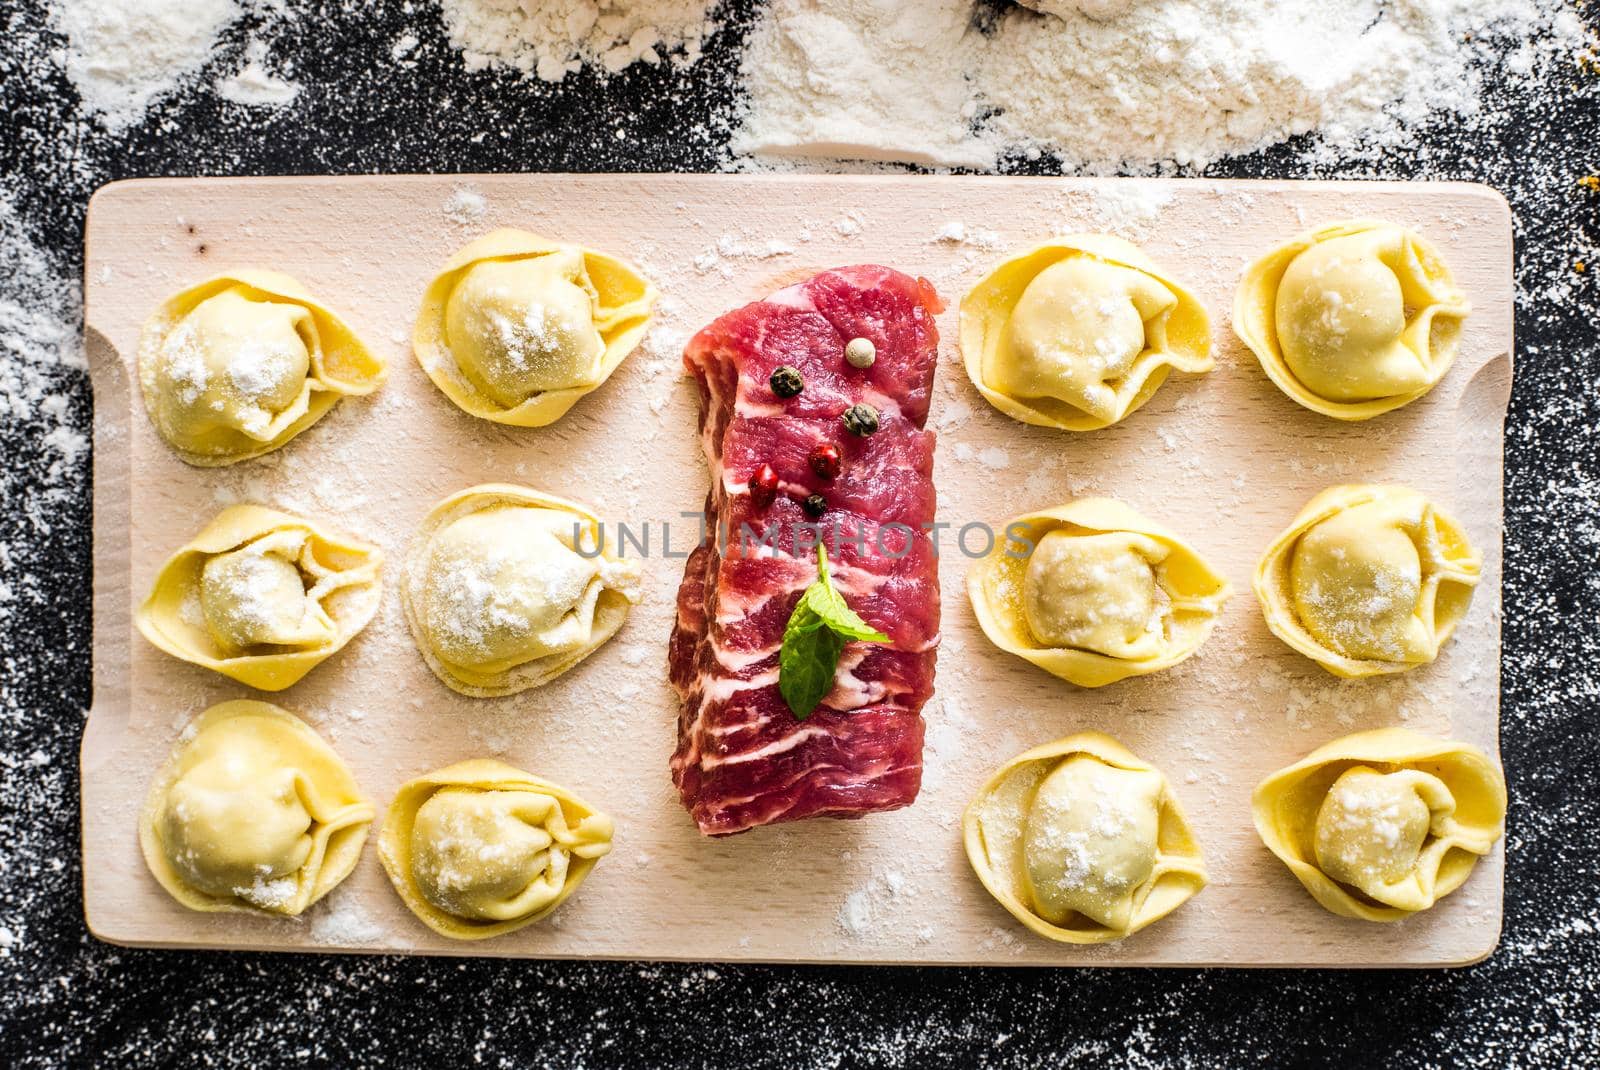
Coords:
pixel 764 485
pixel 861 419
pixel 814 505
pixel 786 381
pixel 825 460
pixel 860 352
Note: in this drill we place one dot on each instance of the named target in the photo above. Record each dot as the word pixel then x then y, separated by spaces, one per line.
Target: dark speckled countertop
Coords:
pixel 67 1000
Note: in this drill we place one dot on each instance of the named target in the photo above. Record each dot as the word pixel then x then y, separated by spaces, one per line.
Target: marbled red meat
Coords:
pixel 743 759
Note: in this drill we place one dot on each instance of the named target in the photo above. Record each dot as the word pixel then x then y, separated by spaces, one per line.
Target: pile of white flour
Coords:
pixel 554 38
pixel 121 55
pixel 1103 85
pixel 1123 84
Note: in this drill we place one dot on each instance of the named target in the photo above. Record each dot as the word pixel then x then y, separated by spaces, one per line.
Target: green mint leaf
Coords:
pixel 824 601
pixel 814 638
pixel 829 604
pixel 843 620
pixel 807 661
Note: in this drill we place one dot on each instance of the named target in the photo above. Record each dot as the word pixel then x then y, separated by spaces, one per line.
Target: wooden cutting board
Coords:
pixel 1225 459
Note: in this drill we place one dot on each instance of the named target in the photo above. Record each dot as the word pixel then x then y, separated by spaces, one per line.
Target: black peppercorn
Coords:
pixel 814 505
pixel 786 381
pixel 861 419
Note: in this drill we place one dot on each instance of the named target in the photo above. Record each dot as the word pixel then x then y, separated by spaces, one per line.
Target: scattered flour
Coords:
pixel 949 729
pixel 466 207
pixel 40 354
pixel 994 458
pixel 1108 84
pixel 1100 10
pixel 730 248
pixel 340 921
pixel 869 904
pixel 1104 85
pixel 1129 208
pixel 855 915
pixel 44 420
pixel 123 54
pixel 254 84
pixel 554 38
pixel 955 232
pixel 869 79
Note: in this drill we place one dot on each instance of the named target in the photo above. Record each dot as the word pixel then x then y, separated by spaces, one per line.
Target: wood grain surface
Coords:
pixel 1226 460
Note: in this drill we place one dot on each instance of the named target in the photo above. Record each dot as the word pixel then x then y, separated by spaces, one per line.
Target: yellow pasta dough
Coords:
pixel 1094 593
pixel 253 813
pixel 262 596
pixel 1382 824
pixel 480 848
pixel 238 365
pixel 507 588
pixel 1353 319
pixel 1368 580
pixel 517 328
pixel 1079 332
pixel 1082 841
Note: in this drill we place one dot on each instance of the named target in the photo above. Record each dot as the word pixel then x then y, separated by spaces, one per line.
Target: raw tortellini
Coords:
pixel 507 588
pixel 1079 333
pixel 262 596
pixel 1093 592
pixel 481 848
pixel 517 328
pixel 240 364
pixel 254 812
pixel 1382 824
pixel 1368 580
pixel 1082 842
pixel 1353 319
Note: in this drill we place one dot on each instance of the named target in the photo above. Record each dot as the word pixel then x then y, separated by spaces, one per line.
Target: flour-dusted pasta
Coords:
pixel 1080 332
pixel 1082 841
pixel 1093 592
pixel 262 596
pixel 253 813
pixel 481 848
pixel 240 364
pixel 507 588
pixel 517 328
pixel 1382 824
pixel 1353 319
pixel 1368 580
